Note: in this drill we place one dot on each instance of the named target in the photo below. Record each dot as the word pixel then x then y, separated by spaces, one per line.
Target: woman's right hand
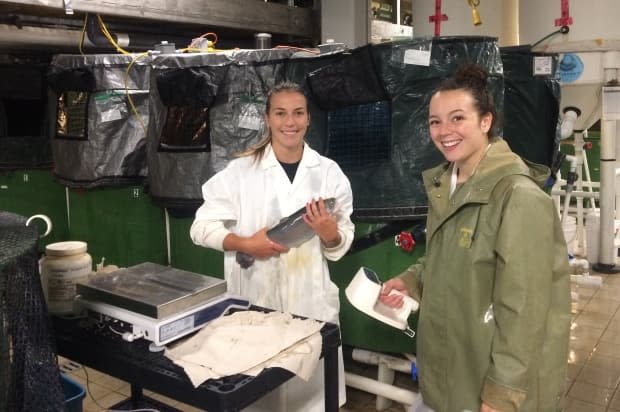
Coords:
pixel 394 300
pixel 260 246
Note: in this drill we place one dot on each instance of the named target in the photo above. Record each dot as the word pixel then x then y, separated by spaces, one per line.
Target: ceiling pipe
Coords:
pixel 95 35
pixel 28 36
pixel 14 37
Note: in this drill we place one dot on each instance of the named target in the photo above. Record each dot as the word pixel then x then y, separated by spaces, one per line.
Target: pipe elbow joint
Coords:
pixel 568 122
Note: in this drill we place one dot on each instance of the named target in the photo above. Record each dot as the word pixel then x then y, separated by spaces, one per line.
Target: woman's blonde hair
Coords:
pixel 258 150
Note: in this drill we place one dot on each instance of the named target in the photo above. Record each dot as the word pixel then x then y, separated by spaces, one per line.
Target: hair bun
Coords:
pixel 472 75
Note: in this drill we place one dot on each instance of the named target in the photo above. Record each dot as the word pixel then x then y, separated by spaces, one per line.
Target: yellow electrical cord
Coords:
pixel 199 50
pixel 129 99
pixel 210 42
pixel 108 36
pixel 81 43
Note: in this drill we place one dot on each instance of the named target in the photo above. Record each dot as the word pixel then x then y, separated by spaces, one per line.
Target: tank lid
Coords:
pixel 69 248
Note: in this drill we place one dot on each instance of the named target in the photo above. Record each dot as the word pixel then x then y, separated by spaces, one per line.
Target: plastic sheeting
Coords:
pixel 385 156
pixel 232 87
pixel 97 138
pixel 531 103
pixel 368 110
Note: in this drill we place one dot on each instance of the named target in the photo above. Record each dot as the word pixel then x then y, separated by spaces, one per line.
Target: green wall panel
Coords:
pixel 30 192
pixel 120 224
pixel 187 256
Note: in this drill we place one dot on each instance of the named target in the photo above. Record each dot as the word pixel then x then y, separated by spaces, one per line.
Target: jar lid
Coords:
pixel 69 248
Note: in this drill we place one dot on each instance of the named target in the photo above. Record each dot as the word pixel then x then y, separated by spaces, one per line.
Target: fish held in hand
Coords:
pixel 291 231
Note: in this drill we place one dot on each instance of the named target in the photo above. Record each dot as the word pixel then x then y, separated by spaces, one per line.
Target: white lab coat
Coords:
pixel 248 196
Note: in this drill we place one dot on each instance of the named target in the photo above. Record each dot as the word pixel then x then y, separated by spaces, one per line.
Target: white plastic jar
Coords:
pixel 64 264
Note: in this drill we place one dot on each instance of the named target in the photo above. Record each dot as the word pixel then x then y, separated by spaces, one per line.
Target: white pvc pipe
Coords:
pixel 385 375
pixel 386 367
pixel 575 193
pixel 568 124
pixel 573 160
pixel 590 184
pixel 365 384
pixel 374 358
pixel 607 250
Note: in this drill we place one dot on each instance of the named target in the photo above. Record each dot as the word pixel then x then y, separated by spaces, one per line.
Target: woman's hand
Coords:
pixel 260 246
pixel 394 300
pixel 323 223
pixel 486 408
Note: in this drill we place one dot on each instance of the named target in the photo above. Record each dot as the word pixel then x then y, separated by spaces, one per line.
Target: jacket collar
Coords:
pixel 498 163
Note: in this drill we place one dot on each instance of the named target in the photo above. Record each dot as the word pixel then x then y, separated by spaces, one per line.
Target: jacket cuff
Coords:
pixel 412 282
pixel 501 397
pixel 336 252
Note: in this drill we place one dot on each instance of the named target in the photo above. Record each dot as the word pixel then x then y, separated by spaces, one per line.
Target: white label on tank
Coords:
pixel 250 117
pixel 110 115
pixel 417 57
pixel 543 65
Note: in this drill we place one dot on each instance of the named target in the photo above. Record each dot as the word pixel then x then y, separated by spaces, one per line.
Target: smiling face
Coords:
pixel 457 129
pixel 288 121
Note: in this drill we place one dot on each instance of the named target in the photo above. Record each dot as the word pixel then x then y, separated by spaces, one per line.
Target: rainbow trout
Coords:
pixel 291 232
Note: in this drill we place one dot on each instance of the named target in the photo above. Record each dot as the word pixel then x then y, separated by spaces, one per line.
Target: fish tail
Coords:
pixel 244 260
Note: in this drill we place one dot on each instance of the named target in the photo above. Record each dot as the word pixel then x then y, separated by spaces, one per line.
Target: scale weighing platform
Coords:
pixel 155 302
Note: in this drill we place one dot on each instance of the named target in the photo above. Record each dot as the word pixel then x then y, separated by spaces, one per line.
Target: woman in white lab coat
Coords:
pixel 271 181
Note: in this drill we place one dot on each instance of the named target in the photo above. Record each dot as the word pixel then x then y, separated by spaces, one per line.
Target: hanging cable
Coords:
pixel 109 36
pixel 561 30
pixel 83 35
pixel 129 98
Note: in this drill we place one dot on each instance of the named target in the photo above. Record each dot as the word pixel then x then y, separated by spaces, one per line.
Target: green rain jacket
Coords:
pixel 494 284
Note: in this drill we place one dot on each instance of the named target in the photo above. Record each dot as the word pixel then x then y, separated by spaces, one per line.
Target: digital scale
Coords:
pixel 155 302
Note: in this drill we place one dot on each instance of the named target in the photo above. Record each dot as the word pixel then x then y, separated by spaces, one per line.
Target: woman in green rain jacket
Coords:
pixel 494 288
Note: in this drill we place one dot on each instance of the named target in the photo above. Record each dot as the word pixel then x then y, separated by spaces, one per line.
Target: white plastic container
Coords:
pixel 64 264
pixel 593 223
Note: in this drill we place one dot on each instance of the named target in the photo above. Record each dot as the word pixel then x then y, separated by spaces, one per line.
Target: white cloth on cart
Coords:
pixel 247 342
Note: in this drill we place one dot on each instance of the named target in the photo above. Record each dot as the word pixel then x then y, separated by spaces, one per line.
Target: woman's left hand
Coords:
pixel 323 224
pixel 486 408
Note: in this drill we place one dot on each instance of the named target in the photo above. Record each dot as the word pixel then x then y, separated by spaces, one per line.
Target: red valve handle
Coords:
pixel 405 241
